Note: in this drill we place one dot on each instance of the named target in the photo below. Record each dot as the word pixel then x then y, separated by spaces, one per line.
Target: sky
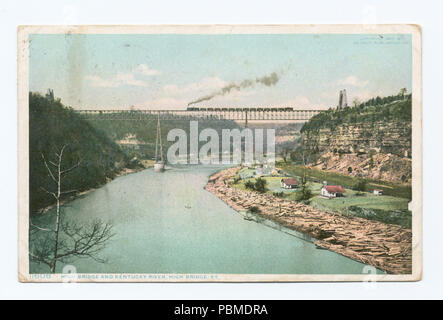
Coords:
pixel 168 71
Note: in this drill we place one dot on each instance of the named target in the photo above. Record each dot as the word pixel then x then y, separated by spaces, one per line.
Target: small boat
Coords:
pixel 159 164
pixel 188 206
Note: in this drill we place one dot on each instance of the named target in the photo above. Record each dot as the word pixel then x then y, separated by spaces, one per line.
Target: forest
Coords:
pixel 94 155
pixel 398 108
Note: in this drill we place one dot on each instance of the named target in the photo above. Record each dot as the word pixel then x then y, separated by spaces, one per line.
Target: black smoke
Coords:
pixel 268 81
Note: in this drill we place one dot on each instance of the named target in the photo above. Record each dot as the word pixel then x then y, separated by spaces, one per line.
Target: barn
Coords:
pixel 289 183
pixel 332 191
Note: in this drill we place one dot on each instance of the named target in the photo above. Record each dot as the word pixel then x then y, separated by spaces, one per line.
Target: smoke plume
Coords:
pixel 268 81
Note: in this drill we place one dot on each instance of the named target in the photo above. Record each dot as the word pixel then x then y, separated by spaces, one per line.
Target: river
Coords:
pixel 167 223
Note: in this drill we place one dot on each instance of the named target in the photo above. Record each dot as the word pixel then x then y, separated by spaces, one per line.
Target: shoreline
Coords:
pixel 125 171
pixel 384 246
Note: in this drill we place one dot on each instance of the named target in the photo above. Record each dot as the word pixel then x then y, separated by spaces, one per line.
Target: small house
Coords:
pixel 332 191
pixel 378 192
pixel 289 183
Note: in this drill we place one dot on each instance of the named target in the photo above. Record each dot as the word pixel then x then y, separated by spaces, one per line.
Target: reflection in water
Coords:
pixel 168 223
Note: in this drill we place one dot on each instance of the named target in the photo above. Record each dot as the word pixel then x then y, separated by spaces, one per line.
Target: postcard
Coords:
pixel 220 153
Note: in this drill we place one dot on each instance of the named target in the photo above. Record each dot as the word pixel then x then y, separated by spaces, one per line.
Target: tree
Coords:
pixel 260 185
pixel 371 162
pixel 285 151
pixel 402 92
pixel 249 185
pixel 360 186
pixel 356 102
pixel 306 192
pixel 68 239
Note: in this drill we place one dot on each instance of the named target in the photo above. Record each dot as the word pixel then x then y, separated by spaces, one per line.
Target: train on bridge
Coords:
pixel 199 113
pixel 240 109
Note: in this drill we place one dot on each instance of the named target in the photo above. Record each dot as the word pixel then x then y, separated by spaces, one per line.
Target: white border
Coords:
pixel 23 142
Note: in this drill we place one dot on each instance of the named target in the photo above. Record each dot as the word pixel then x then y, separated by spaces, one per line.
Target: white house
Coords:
pixel 332 191
pixel 289 183
pixel 378 192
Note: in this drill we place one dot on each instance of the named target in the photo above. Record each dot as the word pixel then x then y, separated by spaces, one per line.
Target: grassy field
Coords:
pixel 385 208
pixel 351 198
pixel 389 188
pixel 366 200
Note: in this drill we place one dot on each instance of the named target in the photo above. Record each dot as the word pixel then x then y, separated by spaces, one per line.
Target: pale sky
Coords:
pixel 169 71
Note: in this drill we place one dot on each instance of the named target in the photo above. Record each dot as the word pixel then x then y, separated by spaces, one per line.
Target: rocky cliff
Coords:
pixel 372 142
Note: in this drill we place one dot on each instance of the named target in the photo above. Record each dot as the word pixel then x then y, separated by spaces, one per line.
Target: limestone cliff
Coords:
pixel 372 141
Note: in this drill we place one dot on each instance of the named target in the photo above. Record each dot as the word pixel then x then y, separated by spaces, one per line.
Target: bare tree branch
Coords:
pixel 71 168
pixel 69 191
pixel 53 163
pixel 40 228
pixel 85 241
pixel 49 192
pixel 70 240
pixel 38 258
pixel 49 170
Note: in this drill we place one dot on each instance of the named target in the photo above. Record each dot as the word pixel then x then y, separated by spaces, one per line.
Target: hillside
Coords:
pixel 370 140
pixel 137 138
pixel 51 126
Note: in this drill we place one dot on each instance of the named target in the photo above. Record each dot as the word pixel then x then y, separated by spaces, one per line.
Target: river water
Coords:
pixel 167 223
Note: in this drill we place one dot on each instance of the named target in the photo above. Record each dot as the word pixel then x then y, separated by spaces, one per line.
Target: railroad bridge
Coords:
pixel 236 114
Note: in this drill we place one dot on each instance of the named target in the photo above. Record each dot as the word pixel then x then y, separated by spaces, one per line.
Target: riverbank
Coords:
pixel 384 246
pixel 123 172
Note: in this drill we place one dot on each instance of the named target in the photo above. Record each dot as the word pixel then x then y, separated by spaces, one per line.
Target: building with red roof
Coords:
pixel 332 191
pixel 289 183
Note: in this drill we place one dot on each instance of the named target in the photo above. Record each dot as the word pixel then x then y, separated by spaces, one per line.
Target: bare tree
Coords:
pixel 78 240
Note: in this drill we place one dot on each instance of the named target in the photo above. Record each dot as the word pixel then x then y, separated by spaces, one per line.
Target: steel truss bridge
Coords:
pixel 236 114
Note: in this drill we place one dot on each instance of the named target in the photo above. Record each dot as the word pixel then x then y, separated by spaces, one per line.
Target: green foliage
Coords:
pixel 399 217
pixel 398 108
pixel 145 130
pixel 259 185
pixel 52 125
pixel 305 193
pixel 371 163
pixel 360 186
pixel 254 209
pixel 249 185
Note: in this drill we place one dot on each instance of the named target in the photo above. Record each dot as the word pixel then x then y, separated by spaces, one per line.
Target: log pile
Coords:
pixel 384 246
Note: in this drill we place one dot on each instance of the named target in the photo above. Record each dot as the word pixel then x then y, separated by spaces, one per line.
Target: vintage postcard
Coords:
pixel 224 153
